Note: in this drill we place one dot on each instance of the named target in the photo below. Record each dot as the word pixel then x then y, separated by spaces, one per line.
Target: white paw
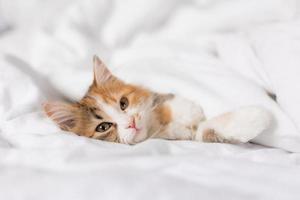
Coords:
pixel 241 125
pixel 248 122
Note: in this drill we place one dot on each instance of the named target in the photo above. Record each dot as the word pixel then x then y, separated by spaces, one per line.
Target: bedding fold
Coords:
pixel 221 54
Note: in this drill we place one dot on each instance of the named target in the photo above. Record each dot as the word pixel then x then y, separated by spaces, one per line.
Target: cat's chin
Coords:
pixel 132 137
pixel 140 137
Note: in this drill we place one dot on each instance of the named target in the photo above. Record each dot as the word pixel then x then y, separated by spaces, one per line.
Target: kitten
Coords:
pixel 115 111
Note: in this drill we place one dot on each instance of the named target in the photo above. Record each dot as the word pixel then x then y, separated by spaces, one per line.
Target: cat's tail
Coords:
pixel 237 126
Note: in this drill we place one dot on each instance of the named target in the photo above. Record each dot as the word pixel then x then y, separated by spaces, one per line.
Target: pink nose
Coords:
pixel 132 123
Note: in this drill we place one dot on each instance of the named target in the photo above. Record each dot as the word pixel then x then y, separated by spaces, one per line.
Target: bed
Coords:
pixel 220 54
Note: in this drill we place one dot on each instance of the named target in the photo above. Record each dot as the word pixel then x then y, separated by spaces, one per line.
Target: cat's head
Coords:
pixel 111 110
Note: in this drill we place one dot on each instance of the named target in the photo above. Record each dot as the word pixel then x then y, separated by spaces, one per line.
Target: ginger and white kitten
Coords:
pixel 115 111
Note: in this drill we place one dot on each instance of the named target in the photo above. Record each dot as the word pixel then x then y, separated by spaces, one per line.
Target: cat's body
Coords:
pixel 184 119
pixel 188 122
pixel 116 111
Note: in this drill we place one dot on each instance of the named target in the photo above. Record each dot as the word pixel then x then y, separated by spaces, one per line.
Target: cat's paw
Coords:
pixel 241 125
pixel 248 122
pixel 211 136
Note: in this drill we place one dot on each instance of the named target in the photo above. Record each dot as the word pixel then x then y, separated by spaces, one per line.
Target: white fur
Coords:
pixel 185 115
pixel 241 125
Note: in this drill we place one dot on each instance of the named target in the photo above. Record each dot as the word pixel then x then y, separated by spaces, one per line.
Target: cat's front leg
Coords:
pixel 241 125
pixel 186 117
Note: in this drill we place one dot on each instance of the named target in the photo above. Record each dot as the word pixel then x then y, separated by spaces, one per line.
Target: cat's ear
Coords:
pixel 159 99
pixel 63 114
pixel 101 72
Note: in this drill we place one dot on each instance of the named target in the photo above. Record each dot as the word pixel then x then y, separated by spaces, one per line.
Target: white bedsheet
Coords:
pixel 221 54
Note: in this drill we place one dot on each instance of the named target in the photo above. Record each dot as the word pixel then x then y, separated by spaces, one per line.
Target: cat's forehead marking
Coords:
pixel 110 99
pixel 94 110
pixel 90 102
pixel 111 92
pixel 106 94
pixel 106 107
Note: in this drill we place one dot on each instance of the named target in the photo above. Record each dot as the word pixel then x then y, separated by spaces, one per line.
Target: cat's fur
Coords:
pixel 115 111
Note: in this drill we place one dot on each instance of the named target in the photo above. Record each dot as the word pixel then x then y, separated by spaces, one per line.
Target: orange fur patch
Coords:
pixel 164 114
pixel 114 89
pixel 210 135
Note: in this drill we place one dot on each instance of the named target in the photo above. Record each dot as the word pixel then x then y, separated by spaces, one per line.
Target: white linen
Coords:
pixel 221 54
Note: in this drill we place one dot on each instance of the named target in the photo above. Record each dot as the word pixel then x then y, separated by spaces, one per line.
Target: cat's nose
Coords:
pixel 132 123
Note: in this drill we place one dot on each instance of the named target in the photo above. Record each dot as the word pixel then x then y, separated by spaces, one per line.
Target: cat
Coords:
pixel 115 111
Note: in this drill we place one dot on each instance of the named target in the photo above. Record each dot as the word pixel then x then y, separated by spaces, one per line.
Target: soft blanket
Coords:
pixel 220 54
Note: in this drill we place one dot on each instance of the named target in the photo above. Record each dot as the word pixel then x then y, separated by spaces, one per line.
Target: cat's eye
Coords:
pixel 104 126
pixel 124 103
